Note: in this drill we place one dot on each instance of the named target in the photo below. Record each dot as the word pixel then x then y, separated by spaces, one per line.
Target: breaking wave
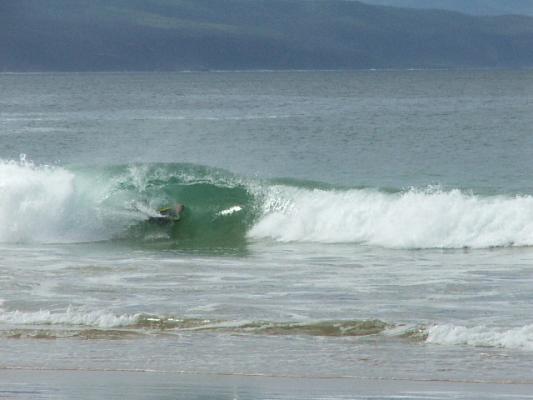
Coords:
pixel 415 218
pixel 63 323
pixel 53 204
pixel 481 336
pixel 77 204
pixel 70 316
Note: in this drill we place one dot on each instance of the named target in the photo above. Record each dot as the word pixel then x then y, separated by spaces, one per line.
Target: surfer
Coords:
pixel 168 214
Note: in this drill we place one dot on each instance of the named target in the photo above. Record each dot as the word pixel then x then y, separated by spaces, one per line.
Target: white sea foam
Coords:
pixel 71 316
pixel 32 199
pixel 230 211
pixel 430 218
pixel 516 338
pixel 40 203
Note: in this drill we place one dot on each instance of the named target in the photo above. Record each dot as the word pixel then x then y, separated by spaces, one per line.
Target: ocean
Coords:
pixel 351 234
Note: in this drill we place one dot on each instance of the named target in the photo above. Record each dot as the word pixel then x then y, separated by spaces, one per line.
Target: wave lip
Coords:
pixel 412 219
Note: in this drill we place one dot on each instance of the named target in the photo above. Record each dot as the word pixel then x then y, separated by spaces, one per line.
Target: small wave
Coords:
pixel 86 334
pixel 341 328
pixel 168 322
pixel 100 324
pixel 481 336
pixel 324 328
pixel 95 321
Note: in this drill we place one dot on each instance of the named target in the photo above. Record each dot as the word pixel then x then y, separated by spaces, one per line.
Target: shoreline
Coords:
pixel 71 383
pixel 266 376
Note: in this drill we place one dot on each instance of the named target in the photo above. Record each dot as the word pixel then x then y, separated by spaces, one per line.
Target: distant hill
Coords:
pixel 80 35
pixel 474 7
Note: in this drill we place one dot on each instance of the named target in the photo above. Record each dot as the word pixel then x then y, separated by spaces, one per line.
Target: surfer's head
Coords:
pixel 179 208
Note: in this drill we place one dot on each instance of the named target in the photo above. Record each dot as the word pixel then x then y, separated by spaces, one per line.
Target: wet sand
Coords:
pixel 80 384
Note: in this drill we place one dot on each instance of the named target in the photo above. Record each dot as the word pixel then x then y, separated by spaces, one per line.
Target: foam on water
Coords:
pixel 428 218
pixel 482 336
pixel 70 316
pixel 33 201
pixel 52 204
pixel 231 210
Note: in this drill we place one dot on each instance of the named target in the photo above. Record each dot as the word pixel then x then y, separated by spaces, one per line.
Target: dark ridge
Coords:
pixel 118 35
pixel 474 7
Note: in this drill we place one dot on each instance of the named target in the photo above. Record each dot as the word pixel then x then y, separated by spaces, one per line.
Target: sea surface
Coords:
pixel 366 225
